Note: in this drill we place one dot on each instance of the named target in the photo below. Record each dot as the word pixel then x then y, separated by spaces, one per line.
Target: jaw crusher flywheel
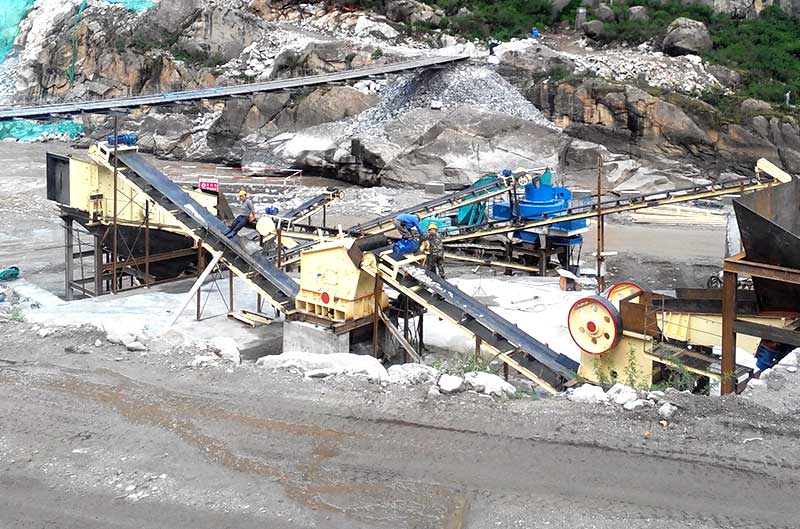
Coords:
pixel 620 291
pixel 594 324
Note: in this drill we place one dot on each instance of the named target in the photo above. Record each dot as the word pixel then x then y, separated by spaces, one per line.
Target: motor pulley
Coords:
pixel 594 324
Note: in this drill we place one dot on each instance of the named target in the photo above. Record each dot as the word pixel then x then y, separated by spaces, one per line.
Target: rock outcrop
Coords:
pixel 684 36
pixel 470 142
pixel 628 120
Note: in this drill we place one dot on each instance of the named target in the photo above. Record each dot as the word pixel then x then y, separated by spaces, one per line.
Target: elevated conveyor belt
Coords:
pixel 272 283
pixel 440 205
pixel 310 206
pixel 607 207
pixel 520 351
pixel 106 105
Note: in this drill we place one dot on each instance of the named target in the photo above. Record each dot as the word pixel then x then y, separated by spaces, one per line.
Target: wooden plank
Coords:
pixel 241 319
pixel 395 332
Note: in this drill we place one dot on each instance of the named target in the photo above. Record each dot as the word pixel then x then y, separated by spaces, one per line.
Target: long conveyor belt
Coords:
pixel 218 92
pixel 272 283
pixel 520 351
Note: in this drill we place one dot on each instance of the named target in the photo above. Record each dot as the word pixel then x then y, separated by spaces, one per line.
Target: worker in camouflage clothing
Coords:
pixel 435 243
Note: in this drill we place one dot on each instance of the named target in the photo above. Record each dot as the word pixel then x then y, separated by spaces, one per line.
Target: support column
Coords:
pixel 230 287
pixel 69 253
pixel 728 363
pixel 98 265
pixel 420 329
pixel 377 315
pixel 201 266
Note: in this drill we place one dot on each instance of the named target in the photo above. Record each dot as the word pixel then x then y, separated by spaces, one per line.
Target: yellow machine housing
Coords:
pixel 333 285
pixel 91 189
pixel 636 338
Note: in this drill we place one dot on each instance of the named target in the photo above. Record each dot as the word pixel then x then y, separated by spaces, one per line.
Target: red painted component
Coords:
pixel 326 298
pixel 591 326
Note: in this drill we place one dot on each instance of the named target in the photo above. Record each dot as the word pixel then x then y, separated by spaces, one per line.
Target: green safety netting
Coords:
pixel 474 213
pixel 24 130
pixel 11 14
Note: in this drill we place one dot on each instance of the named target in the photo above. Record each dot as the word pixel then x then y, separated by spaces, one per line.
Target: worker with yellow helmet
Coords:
pixel 435 243
pixel 245 215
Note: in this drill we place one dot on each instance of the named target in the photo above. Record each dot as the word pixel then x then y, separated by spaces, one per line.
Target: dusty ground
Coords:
pixel 114 439
pixel 118 439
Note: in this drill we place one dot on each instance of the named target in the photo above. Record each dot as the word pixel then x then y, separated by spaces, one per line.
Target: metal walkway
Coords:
pixel 518 350
pixel 108 105
pixel 272 283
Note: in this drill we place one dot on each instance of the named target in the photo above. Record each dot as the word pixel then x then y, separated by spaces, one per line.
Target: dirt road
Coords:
pixel 111 439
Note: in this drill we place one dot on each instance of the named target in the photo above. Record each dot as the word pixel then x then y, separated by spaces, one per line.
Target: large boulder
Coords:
pixel 412 12
pixel 593 29
pixel 468 143
pixel 727 77
pixel 325 105
pixel 755 106
pixel 637 14
pixel 604 13
pixel 686 36
pixel 522 59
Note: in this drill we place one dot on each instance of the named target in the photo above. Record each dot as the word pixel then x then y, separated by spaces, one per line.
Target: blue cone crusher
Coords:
pixel 541 198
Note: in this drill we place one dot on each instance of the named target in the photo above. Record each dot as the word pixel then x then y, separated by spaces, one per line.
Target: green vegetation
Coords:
pixel 501 19
pixel 659 17
pixel 765 50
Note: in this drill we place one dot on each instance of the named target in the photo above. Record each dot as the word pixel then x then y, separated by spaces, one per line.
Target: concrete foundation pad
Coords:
pixel 303 337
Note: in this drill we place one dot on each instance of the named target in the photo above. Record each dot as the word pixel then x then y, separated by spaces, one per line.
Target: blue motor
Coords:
pixel 403 247
pixel 129 139
pixel 271 210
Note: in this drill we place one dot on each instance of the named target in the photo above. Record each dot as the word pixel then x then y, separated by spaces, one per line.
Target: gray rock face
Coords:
pixel 605 13
pixel 686 36
pixel 467 143
pixel 755 106
pixel 220 34
pixel 593 29
pixel 726 77
pixel 521 64
pixel 626 119
pixel 638 14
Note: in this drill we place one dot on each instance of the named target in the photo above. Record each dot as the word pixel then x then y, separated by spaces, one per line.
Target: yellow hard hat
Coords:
pixel 432 226
pixel 242 192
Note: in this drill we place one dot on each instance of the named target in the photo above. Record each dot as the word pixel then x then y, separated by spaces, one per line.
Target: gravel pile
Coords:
pixel 465 84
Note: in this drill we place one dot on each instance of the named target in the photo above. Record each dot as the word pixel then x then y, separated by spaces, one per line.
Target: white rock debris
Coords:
pixel 227 348
pixel 687 73
pixel 411 374
pixel 667 410
pixel 489 384
pixel 320 365
pixel 622 394
pixel 588 394
pixel 450 383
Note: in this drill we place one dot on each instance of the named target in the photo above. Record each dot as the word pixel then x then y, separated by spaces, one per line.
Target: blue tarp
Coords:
pixel 24 130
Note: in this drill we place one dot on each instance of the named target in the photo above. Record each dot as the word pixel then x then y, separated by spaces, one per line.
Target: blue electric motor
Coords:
pixel 403 247
pixel 129 139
